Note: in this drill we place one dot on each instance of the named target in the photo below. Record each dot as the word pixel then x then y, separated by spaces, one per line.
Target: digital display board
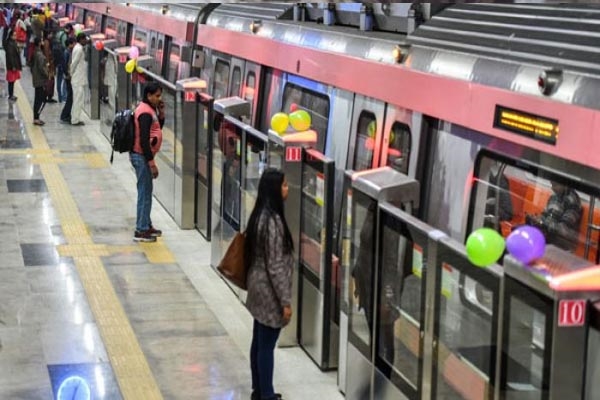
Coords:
pixel 526 124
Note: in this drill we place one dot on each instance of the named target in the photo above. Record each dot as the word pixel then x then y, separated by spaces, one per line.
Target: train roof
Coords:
pixel 509 45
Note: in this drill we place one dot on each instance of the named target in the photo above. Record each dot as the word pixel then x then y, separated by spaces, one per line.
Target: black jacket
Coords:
pixel 13 59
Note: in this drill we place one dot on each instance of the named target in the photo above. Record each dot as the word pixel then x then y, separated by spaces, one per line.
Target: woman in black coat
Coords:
pixel 13 63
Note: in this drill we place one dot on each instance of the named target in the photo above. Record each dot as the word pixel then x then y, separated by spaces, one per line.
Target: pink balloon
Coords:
pixel 134 52
pixel 293 107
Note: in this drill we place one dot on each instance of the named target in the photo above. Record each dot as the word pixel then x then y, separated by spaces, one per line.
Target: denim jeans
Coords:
pixel 144 189
pixel 60 75
pixel 262 359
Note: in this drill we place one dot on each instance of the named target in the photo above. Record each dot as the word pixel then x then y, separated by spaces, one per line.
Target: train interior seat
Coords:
pixel 531 199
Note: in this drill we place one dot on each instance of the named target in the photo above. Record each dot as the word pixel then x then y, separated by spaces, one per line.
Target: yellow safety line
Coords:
pixel 128 361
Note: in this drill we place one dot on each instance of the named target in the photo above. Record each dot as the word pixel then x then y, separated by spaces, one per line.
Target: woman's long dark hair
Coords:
pixel 269 201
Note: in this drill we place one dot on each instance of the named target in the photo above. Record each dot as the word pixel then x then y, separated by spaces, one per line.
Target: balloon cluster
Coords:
pixel 298 119
pixel 131 65
pixel 77 28
pixel 485 246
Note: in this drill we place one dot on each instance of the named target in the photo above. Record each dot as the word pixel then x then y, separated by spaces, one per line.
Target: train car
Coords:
pixel 489 107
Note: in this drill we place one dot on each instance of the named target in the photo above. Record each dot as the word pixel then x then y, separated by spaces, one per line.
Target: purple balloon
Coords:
pixel 526 244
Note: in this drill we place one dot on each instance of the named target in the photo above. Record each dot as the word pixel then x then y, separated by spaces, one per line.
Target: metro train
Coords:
pixel 486 106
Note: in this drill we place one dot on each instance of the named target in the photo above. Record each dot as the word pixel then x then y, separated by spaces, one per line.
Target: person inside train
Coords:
pixel 391 288
pixel 561 217
pixel 498 206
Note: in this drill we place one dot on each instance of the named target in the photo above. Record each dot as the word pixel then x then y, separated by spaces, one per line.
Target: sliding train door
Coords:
pixel 318 328
pixel 366 134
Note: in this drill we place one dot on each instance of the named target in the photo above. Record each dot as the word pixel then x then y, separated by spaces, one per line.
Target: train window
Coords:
pixel 506 195
pixel 236 83
pixel 221 79
pixel 365 141
pixel 174 59
pixel 399 147
pixel 90 21
pixel 249 90
pixel 122 33
pixel 111 29
pixel 317 104
pixel 140 39
pixel 78 15
pixel 158 56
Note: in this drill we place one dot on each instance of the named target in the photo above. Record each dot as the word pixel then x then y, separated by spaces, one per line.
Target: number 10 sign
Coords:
pixel 571 313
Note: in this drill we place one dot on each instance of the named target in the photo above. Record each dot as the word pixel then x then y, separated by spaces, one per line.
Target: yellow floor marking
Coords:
pixel 158 253
pixel 128 361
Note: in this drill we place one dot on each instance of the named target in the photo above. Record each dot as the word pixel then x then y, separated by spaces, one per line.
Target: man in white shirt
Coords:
pixel 79 79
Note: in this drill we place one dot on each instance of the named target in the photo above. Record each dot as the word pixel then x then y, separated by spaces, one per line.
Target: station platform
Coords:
pixel 84 308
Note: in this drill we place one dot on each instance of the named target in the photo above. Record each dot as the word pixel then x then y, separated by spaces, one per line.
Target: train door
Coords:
pixel 240 155
pixel 555 293
pixel 318 330
pixel 203 166
pixel 252 81
pixel 358 312
pixel 366 134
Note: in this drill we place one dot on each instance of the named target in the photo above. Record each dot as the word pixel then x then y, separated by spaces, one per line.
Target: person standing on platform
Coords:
pixel 149 119
pixel 79 80
pixel 39 76
pixel 269 254
pixel 13 63
pixel 49 53
pixel 65 115
pixel 60 45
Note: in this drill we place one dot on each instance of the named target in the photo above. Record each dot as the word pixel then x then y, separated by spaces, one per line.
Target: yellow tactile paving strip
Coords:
pixel 128 361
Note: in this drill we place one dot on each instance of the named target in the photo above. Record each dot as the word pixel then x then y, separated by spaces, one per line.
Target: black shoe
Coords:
pixel 12 98
pixel 145 237
pixel 155 232
pixel 256 396
pixel 51 101
pixel 80 123
pixel 65 121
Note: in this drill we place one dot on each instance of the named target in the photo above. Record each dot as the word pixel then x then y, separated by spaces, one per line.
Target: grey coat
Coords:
pixel 39 69
pixel 269 278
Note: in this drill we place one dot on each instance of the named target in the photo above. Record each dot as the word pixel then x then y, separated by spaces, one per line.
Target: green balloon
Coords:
pixel 484 247
pixel 300 120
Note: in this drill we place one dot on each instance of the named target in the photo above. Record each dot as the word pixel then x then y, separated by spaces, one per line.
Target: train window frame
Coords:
pixel 359 135
pixel 404 155
pixel 236 73
pixel 251 75
pixel 220 63
pixel 537 175
pixel 307 100
pixel 140 40
pixel 112 24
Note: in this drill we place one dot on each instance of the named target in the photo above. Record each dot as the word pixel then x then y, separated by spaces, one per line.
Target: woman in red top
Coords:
pixel 149 119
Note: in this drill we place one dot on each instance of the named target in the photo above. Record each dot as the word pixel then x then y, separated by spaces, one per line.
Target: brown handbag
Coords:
pixel 233 265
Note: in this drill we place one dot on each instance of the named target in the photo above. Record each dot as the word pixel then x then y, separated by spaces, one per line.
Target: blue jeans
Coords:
pixel 262 359
pixel 144 189
pixel 60 75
